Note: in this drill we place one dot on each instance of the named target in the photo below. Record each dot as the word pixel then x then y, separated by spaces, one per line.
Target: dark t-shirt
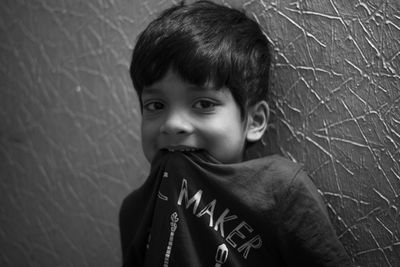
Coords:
pixel 194 211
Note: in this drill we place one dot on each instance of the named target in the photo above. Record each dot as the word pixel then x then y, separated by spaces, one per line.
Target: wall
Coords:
pixel 69 149
pixel 337 92
pixel 69 121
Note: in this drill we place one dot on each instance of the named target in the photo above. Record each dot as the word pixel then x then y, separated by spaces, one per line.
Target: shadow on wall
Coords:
pixel 69 121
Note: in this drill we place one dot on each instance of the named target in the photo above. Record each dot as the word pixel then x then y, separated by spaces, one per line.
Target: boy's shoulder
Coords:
pixel 131 205
pixel 277 167
pixel 280 176
pixel 137 198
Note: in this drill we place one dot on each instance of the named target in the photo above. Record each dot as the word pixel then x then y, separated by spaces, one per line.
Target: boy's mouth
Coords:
pixel 180 148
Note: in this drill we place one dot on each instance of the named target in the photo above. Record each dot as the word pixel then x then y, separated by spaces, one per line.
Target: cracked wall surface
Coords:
pixel 69 120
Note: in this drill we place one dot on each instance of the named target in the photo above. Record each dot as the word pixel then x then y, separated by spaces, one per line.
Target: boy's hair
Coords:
pixel 205 43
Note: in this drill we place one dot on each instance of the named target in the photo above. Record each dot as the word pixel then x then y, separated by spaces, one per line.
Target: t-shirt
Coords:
pixel 194 211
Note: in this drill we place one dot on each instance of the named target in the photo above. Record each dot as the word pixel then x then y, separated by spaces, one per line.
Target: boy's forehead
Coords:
pixel 186 92
pixel 165 85
pixel 157 88
pixel 173 76
pixel 172 81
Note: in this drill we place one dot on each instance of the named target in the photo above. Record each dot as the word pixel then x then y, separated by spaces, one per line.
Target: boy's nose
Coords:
pixel 176 123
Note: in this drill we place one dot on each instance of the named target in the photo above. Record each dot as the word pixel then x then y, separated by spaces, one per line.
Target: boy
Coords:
pixel 201 73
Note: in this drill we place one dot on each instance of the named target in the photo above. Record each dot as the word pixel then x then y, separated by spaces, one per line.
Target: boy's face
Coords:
pixel 178 115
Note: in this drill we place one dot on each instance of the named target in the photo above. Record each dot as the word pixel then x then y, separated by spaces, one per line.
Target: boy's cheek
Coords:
pixel 148 142
pixel 148 151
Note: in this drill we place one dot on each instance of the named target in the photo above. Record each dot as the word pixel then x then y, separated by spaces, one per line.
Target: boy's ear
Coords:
pixel 258 116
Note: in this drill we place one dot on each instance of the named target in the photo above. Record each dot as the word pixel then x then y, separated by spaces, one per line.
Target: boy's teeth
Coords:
pixel 181 149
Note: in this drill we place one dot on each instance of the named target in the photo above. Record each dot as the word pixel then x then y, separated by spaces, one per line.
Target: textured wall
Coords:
pixel 69 144
pixel 69 136
pixel 337 92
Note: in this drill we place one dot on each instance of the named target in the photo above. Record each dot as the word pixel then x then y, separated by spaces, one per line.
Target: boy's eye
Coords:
pixel 204 104
pixel 153 106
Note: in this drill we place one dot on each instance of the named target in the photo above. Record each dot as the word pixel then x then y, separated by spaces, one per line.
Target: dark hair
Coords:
pixel 205 43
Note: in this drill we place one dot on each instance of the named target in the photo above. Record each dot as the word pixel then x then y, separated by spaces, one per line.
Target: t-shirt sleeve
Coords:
pixel 126 221
pixel 306 236
pixel 130 215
